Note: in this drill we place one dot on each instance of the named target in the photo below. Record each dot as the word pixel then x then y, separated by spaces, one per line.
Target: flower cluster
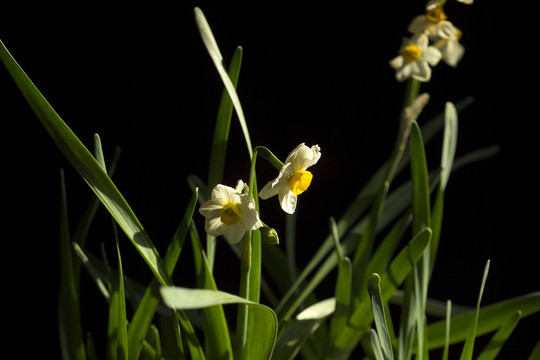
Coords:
pixel 433 38
pixel 231 213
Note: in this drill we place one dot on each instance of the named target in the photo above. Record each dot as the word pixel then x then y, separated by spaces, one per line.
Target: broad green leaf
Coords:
pixel 215 54
pixel 492 349
pixel 69 317
pixel 468 347
pixel 87 166
pixel 379 317
pixel 261 338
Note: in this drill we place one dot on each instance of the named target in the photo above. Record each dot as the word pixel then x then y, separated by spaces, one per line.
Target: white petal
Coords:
pixel 421 71
pixel 287 200
pixel 452 53
pixel 250 216
pixel 397 62
pixel 272 187
pixel 214 226
pixel 418 24
pixel 210 207
pixel 233 233
pixel 420 40
pixel 405 72
pixel 432 55
pixel 302 157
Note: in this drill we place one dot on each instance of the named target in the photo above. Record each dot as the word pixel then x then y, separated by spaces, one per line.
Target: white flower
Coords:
pixel 415 58
pixel 468 2
pixel 442 32
pixel 229 213
pixel 452 51
pixel 433 24
pixel 293 178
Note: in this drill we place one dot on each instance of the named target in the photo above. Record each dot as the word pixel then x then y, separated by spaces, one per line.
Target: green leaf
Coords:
pixel 121 328
pixel 379 317
pixel 261 337
pixel 215 54
pixel 69 317
pixel 468 347
pixel 492 349
pixel 535 353
pixel 420 181
pixel 141 320
pixel 449 143
pixel 393 277
pixel 297 331
pixel 216 332
pixel 491 318
pixel 446 348
pixel 219 143
pixel 87 166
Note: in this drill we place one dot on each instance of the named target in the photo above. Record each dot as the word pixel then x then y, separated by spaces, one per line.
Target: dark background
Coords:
pixel 140 76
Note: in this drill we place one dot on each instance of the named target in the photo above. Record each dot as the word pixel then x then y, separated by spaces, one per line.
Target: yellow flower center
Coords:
pixel 436 15
pixel 300 181
pixel 411 53
pixel 230 214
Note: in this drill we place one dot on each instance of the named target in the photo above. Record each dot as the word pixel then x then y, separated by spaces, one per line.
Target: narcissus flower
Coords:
pixel 442 32
pixel 293 178
pixel 230 214
pixel 415 58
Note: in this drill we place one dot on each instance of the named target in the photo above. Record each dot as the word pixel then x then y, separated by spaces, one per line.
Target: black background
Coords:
pixel 139 76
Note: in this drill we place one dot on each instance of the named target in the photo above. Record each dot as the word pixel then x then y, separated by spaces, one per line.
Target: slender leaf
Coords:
pixel 69 318
pixel 468 347
pixel 87 166
pixel 449 142
pixel 215 54
pixel 379 316
pixel 219 143
pixel 446 348
pixel 261 338
pixel 217 339
pixel 492 349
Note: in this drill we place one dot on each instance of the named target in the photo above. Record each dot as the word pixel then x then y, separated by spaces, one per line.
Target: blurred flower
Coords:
pixel 229 213
pixel 468 2
pixel 441 31
pixel 293 178
pixel 452 51
pixel 415 58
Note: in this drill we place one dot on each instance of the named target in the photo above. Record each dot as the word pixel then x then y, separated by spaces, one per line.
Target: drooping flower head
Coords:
pixel 229 213
pixel 415 59
pixel 293 178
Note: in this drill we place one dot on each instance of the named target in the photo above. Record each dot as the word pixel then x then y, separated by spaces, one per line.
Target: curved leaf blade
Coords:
pixel 262 334
pixel 87 166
